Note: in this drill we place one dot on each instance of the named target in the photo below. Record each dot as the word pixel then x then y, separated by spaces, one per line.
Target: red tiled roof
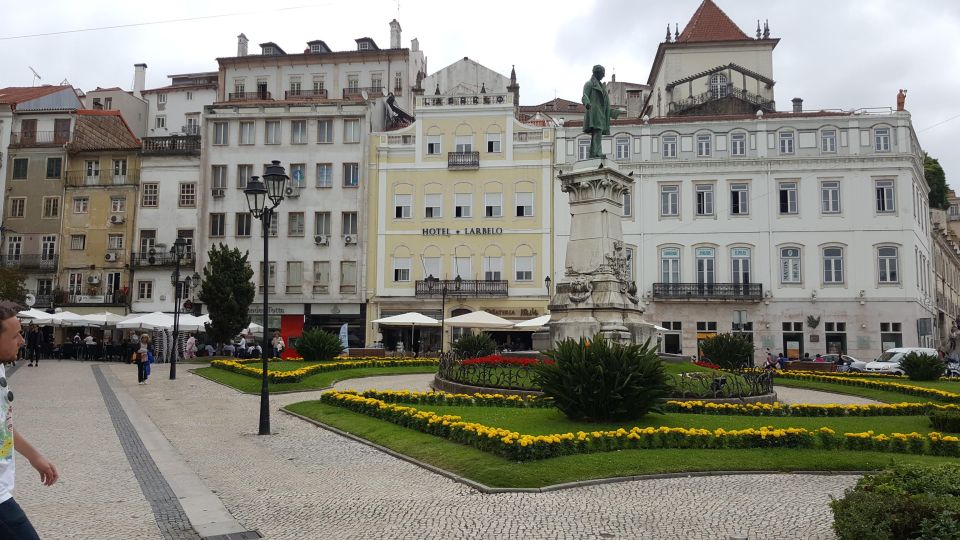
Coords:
pixel 102 130
pixel 18 94
pixel 555 105
pixel 710 23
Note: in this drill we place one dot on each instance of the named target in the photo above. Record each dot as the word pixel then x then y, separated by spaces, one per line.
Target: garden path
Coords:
pixel 786 394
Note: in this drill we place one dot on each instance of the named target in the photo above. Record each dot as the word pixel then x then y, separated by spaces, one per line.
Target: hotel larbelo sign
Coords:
pixel 474 231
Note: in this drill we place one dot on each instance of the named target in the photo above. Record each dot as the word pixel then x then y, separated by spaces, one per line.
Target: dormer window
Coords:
pixel 268 50
pixel 364 46
pixel 718 85
pixel 315 48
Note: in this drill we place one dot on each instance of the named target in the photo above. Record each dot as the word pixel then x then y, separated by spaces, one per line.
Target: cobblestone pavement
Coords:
pixel 787 394
pixel 418 382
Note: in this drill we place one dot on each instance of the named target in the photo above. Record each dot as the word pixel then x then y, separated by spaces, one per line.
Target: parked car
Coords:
pixel 849 363
pixel 889 362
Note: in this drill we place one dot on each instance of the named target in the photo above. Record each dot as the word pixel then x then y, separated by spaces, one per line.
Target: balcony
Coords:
pixel 463 160
pixel 103 178
pixel 467 288
pixel 116 298
pixel 249 96
pixel 705 292
pixel 683 105
pixel 305 94
pixel 357 93
pixel 190 129
pixel 174 145
pixel 32 261
pixel 28 139
pixel 41 300
pixel 459 101
pixel 159 258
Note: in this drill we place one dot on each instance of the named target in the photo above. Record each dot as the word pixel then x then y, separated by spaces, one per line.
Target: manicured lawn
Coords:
pixel 884 396
pixel 251 385
pixel 495 471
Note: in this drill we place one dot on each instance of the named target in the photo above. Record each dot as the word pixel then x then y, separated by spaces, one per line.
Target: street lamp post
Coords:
pixel 179 245
pixel 443 300
pixel 263 197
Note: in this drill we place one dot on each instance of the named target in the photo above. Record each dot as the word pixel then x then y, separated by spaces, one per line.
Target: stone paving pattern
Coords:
pixel 305 482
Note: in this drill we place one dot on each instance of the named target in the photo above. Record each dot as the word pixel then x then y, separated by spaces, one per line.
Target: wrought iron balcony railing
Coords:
pixel 679 106
pixel 248 96
pixel 39 138
pixel 41 300
pixel 116 298
pixel 375 91
pixel 141 259
pixel 32 261
pixel 466 288
pixel 701 292
pixel 463 160
pixel 188 145
pixel 103 178
pixel 306 94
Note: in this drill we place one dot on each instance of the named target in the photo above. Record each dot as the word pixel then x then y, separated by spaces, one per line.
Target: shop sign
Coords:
pixel 523 312
pixel 257 309
pixel 474 231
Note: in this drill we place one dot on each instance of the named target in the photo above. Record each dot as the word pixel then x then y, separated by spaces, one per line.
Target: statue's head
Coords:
pixel 599 72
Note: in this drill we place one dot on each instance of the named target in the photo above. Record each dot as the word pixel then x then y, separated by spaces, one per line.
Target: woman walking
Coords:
pixel 277 344
pixel 143 359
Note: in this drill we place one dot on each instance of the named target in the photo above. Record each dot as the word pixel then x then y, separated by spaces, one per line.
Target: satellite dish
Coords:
pixel 30 300
pixel 363 94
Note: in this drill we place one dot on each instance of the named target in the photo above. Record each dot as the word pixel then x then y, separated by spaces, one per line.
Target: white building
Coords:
pixel 130 103
pixel 807 230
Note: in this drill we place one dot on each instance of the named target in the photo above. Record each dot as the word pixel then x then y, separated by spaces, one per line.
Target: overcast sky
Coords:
pixel 833 53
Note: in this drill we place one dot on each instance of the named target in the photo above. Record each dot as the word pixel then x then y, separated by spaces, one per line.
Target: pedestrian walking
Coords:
pixel 277 344
pixel 14 523
pixel 33 346
pixel 143 359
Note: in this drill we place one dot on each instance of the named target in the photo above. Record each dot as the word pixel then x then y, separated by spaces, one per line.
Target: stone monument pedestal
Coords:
pixel 596 295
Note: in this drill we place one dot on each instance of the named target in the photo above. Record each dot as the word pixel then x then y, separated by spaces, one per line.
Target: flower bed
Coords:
pixel 297 375
pixel 941 395
pixel 523 447
pixel 447 398
pixel 500 360
pixel 802 409
pixel 708 365
pixel 302 359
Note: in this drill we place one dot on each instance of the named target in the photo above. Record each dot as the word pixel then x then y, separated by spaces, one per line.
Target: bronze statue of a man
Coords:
pixel 596 120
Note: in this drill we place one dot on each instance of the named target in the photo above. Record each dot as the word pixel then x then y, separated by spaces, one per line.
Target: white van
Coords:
pixel 889 362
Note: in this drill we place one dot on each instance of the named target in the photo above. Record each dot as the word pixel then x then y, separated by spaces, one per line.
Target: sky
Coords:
pixel 835 54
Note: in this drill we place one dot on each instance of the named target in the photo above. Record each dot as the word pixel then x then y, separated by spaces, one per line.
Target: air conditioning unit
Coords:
pixel 93 280
pixel 152 251
pixel 291 191
pixel 321 240
pixel 218 193
pixel 151 260
pixel 349 239
pixel 116 219
pixel 110 257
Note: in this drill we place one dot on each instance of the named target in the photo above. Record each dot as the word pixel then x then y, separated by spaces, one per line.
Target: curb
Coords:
pixel 485 489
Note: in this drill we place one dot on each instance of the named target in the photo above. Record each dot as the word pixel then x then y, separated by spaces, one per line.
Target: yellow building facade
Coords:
pixel 460 218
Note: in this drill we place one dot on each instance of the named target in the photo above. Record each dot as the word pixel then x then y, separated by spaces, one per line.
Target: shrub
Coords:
pixel 907 501
pixel 923 367
pixel 729 351
pixel 317 345
pixel 602 380
pixel 948 421
pixel 475 346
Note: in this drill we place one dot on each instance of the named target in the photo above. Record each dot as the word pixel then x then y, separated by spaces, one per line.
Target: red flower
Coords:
pixel 704 363
pixel 496 359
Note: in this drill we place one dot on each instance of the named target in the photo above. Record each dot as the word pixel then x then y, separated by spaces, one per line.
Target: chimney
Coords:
pixel 797 105
pixel 394 34
pixel 242 45
pixel 139 78
pixel 414 45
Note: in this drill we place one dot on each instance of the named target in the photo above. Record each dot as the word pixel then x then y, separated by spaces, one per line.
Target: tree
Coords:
pixel 729 351
pixel 936 181
pixel 228 291
pixel 11 285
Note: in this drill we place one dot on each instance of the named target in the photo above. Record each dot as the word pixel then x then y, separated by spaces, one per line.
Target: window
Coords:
pixel 76 283
pixel 376 81
pixel 188 195
pixel 351 130
pixel 523 268
pixel 431 266
pixel 294 277
pixel 889 269
pixel 463 267
pixel 160 122
pixel 351 174
pixel 298 132
pixel 828 141
pixel 218 224
pixel 885 196
pixel 321 276
pixel 670 265
pixel 298 172
pixel 583 149
pixel 833 265
pixel 830 197
pixel 247 133
pixel 92 168
pixel 432 205
pixel 493 143
pixel 324 131
pixel 349 223
pixel 348 277
pixel 274 225
pixel 738 144
pixel 14 247
pixel 239 86
pixel 669 143
pixel 144 290
pixel 397 83
pixel 268 278
pixel 161 98
pixel 704 145
pixel 51 207
pixel 622 148
pixel 463 205
pixel 220 133
pixel 788 197
pixel 464 143
pixel 81 205
pixel 118 204
pixel 353 80
pixel 704 199
pixel 492 204
pixel 150 196
pixel 881 139
pixel 402 205
pixel 244 222
pixel 295 86
pixel 114 241
pixel 189 96
pixel 524 204
pixel 631 263
pixel 20 166
pixel 54 167
pixel 628 202
pixel 786 142
pixel 434 145
pixel 296 226
pixel 790 265
pixel 218 177
pixel 401 269
pixel 244 172
pixel 272 128
pixel 669 200
pixel 492 268
pixel 78 241
pixel 739 199
pixel 718 85
pixel 324 175
pixel 18 207
pixel 321 223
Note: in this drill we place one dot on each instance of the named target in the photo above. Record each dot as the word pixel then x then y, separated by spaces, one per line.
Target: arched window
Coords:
pixel 718 85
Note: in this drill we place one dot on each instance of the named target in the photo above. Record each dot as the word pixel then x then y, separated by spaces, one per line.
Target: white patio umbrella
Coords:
pixel 103 319
pixel 478 319
pixel 35 316
pixel 148 321
pixel 254 328
pixel 68 318
pixel 533 324
pixel 411 319
pixel 190 323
